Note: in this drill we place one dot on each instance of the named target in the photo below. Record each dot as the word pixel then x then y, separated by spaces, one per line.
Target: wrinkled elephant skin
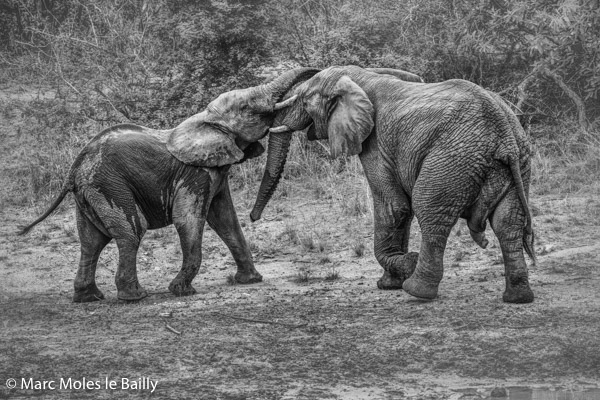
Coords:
pixel 125 182
pixel 439 151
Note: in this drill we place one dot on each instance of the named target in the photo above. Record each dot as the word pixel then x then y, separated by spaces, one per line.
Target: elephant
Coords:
pixel 440 152
pixel 129 179
pixel 437 151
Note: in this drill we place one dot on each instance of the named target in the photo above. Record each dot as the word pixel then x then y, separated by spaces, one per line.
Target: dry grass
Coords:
pixel 41 140
pixel 50 135
pixel 332 275
pixel 304 275
pixel 358 249
pixel 569 163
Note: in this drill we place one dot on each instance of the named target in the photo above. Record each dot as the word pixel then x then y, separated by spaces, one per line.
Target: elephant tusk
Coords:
pixel 280 129
pixel 285 103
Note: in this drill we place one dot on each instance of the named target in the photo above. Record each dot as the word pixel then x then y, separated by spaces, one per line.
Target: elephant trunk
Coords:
pixel 281 85
pixel 279 145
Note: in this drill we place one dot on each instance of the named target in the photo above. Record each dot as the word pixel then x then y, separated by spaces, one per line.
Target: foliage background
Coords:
pixel 156 62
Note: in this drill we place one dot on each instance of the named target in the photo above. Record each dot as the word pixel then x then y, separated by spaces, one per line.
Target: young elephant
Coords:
pixel 129 179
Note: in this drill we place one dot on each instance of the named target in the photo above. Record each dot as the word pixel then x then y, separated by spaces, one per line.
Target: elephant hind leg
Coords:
pixel 128 286
pixel 128 242
pixel 122 220
pixel 441 194
pixel 508 223
pixel 189 217
pixel 92 242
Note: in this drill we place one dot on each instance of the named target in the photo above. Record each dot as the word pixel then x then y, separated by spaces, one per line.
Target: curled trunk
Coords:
pixel 280 86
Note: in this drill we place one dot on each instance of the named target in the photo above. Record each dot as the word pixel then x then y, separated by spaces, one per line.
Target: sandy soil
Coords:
pixel 301 334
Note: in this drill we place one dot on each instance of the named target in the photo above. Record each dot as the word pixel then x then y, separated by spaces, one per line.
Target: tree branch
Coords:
pixel 579 103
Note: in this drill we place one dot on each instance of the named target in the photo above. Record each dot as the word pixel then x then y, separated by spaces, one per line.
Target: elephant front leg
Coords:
pixel 392 231
pixel 223 219
pixel 190 236
pixel 92 242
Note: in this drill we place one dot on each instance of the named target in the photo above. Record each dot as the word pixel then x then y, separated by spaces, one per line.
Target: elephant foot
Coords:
pixel 248 277
pixel 518 291
pixel 88 294
pixel 420 288
pixel 388 282
pixel 131 292
pixel 398 271
pixel 179 288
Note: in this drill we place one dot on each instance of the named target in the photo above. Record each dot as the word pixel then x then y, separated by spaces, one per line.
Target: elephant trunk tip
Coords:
pixel 24 230
pixel 255 215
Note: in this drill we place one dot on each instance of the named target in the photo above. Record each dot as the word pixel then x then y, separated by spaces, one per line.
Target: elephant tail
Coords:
pixel 528 237
pixel 510 154
pixel 66 189
pixel 68 186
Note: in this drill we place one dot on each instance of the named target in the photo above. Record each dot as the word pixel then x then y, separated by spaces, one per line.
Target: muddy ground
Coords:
pixel 316 328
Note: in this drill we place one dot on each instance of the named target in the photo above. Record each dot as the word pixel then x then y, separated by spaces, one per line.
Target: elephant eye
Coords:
pixel 217 127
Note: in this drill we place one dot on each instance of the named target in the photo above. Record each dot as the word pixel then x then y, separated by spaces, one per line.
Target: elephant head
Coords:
pixel 228 130
pixel 333 107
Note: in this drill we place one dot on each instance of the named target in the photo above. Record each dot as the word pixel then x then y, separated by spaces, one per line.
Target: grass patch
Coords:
pixel 325 260
pixel 332 275
pixel 307 242
pixel 304 275
pixel 291 233
pixel 358 249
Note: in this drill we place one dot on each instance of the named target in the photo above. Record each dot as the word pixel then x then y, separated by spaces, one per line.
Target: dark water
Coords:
pixel 527 393
pixel 524 393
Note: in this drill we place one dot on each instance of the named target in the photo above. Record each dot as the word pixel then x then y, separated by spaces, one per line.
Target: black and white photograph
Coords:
pixel 300 199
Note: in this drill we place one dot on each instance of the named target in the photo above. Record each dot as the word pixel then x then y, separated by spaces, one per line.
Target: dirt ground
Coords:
pixel 317 327
pixel 302 334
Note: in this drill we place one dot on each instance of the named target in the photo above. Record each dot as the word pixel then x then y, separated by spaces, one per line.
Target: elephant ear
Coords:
pixel 196 143
pixel 351 120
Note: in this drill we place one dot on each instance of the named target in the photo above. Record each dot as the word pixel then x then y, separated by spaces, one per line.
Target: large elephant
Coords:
pixel 129 179
pixel 439 151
